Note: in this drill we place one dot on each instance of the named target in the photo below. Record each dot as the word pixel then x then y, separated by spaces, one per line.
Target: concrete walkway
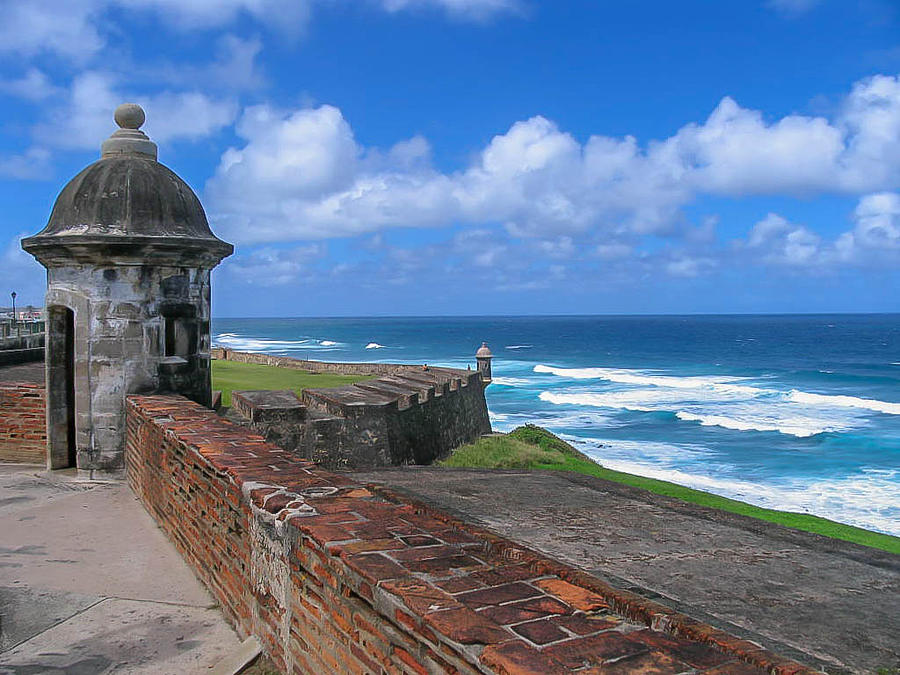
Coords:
pixel 89 584
pixel 828 604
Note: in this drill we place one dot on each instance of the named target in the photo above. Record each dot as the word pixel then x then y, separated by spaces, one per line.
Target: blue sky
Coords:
pixel 397 157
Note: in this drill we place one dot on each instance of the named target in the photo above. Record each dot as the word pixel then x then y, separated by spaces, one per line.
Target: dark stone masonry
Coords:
pixel 408 415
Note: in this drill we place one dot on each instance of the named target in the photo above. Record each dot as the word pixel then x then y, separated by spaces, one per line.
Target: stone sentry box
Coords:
pixel 128 252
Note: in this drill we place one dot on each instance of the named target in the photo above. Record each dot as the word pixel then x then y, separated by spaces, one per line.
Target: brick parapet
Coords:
pixel 335 576
pixel 23 423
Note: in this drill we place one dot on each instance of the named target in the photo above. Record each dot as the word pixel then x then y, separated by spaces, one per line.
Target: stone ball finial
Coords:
pixel 130 116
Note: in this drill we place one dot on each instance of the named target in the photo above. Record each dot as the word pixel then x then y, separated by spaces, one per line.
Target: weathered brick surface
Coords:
pixel 332 576
pixel 23 423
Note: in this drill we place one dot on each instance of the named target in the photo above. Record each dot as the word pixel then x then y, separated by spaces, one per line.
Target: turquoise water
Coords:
pixel 800 413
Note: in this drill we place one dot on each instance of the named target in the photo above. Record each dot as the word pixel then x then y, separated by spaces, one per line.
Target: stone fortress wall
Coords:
pixel 21 349
pixel 407 415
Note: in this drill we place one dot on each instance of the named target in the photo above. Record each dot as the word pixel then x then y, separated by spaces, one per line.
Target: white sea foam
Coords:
pixel 625 400
pixel 258 344
pixel 868 500
pixel 511 381
pixel 718 409
pixel 374 345
pixel 642 378
pixel 517 347
pixel 800 427
pixel 844 402
pixel 262 344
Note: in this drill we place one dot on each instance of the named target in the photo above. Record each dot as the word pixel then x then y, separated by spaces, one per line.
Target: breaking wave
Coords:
pixel 517 347
pixel 844 402
pixel 867 499
pixel 799 427
pixel 719 401
pixel 511 381
pixel 374 345
pixel 260 344
pixel 638 377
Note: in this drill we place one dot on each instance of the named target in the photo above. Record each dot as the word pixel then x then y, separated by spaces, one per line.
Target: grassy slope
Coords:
pixel 531 447
pixel 229 375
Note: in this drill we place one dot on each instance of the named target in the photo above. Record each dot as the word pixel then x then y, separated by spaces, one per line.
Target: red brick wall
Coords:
pixel 337 577
pixel 23 423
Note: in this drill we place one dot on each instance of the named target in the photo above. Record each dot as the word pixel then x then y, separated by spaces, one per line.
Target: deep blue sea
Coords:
pixel 799 413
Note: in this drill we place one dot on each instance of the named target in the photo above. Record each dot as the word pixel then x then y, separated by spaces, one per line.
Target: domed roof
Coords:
pixel 128 196
pixel 483 351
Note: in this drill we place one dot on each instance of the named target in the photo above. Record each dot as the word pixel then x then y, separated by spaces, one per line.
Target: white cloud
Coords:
pixel 289 16
pixel 234 67
pixel 474 9
pixel 873 240
pixel 63 27
pixel 302 175
pixel 682 265
pixel 80 29
pixel 876 235
pixel 32 164
pixel 780 242
pixel 273 267
pixel 34 85
pixel 870 122
pixel 84 118
pixel 735 152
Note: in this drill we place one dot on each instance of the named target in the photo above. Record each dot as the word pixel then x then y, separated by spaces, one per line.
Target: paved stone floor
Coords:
pixel 89 584
pixel 828 604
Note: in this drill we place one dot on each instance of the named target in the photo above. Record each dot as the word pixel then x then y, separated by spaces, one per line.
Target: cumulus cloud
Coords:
pixel 874 238
pixel 78 29
pixel 876 235
pixel 780 242
pixel 302 175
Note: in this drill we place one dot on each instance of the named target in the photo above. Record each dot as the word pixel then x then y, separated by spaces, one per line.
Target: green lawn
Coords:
pixel 532 447
pixel 230 375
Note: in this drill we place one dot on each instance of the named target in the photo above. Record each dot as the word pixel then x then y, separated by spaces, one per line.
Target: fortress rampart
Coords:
pixel 21 349
pixel 407 415
pixel 335 576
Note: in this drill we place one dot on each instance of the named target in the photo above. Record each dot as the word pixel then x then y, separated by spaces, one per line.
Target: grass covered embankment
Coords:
pixel 230 375
pixel 531 447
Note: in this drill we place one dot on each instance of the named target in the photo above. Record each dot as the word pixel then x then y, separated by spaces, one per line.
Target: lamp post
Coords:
pixel 15 320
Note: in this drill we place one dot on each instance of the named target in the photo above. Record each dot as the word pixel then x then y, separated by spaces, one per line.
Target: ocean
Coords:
pixel 793 412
